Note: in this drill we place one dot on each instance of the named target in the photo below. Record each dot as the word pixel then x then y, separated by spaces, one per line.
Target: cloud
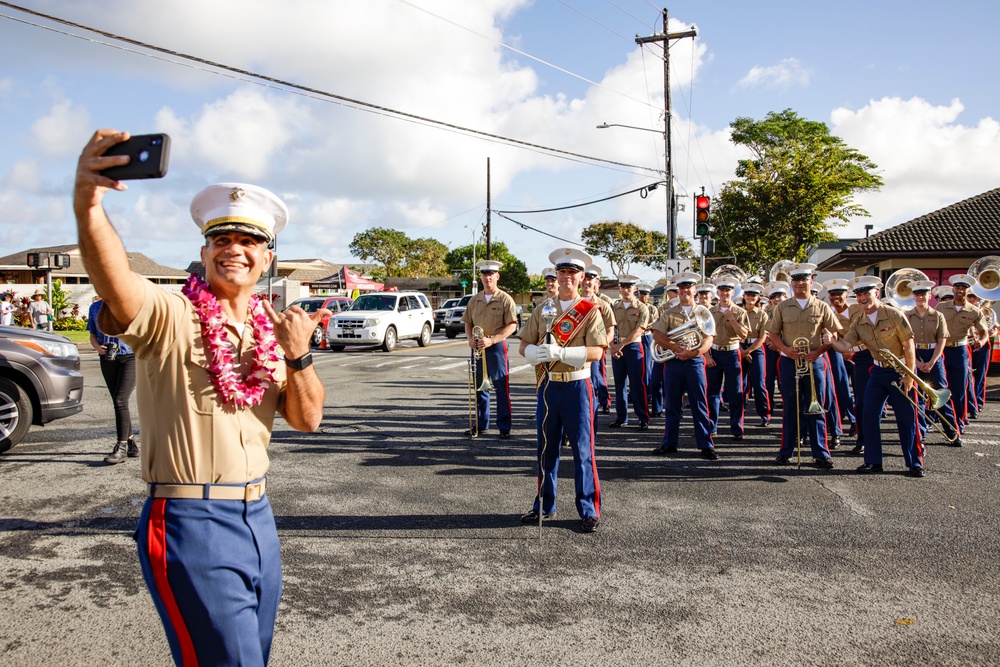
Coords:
pixel 59 132
pixel 786 74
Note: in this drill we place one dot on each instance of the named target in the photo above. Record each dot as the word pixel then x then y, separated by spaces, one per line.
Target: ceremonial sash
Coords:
pixel 565 330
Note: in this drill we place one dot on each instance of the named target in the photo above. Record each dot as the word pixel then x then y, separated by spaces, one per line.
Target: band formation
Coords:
pixel 839 357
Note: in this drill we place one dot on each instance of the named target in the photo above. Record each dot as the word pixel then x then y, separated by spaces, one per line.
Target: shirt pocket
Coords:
pixel 202 392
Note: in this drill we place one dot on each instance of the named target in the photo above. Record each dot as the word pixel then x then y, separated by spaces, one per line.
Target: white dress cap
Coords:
pixel 862 283
pixel 593 271
pixel 549 272
pixel 725 281
pixel 705 287
pixel 752 288
pixel 239 207
pixel 627 279
pixel 837 285
pixel 804 269
pixel 644 287
pixel 776 287
pixel 962 279
pixel 687 278
pixel 489 266
pixel 944 290
pixel 570 258
pixel 922 285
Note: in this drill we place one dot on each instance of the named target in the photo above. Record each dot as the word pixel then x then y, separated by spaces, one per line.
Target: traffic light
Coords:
pixel 702 204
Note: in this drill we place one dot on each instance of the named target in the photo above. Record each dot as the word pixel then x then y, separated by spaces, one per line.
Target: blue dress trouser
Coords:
pixel 863 365
pixel 630 383
pixel 213 568
pixel 754 374
pixel 727 367
pixel 956 368
pixel 498 369
pixel 980 367
pixel 771 374
pixel 656 389
pixel 936 379
pixel 880 389
pixel 567 408
pixel 842 388
pixel 680 377
pixel 813 426
pixel 599 379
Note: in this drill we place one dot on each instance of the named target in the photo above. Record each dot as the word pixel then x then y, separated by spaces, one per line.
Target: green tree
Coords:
pixel 384 246
pixel 425 258
pixel 513 276
pixel 626 243
pixel 798 184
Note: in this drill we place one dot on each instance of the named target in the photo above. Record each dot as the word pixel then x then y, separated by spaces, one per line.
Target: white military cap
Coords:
pixel 570 258
pixel 814 288
pixel 944 291
pixel 776 287
pixel 627 279
pixel 705 287
pixel 549 272
pixel 837 285
pixel 962 279
pixel 922 285
pixel 489 266
pixel 726 281
pixel 593 271
pixel 864 283
pixel 752 288
pixel 644 287
pixel 687 278
pixel 804 269
pixel 239 207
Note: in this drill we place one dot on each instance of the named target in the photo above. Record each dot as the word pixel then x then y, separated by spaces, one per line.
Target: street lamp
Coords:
pixel 475 285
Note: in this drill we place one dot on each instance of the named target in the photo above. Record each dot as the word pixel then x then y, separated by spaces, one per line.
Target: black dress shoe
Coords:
pixel 710 454
pixel 662 450
pixel 915 471
pixel 957 443
pixel 643 427
pixel 853 431
pixel 737 437
pixel 618 423
pixel 655 415
pixel 764 423
pixel 532 516
pixel 857 450
pixel 605 410
pixel 836 443
pixel 590 524
pixel 471 432
pixel 781 460
pixel 565 441
pixel 824 463
pixel 504 435
pixel 870 467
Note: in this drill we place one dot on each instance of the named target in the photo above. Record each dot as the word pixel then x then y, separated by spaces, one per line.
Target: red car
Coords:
pixel 335 304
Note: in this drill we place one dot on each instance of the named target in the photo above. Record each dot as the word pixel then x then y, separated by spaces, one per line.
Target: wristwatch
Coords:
pixel 303 362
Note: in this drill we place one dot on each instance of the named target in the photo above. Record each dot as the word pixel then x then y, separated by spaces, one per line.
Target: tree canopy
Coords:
pixel 398 254
pixel 625 243
pixel 513 275
pixel 799 184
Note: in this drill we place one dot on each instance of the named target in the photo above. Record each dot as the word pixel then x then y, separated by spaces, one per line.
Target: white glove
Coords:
pixel 548 353
pixel 531 354
pixel 575 357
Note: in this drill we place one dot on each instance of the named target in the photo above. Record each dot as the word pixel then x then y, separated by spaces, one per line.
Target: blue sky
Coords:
pixel 909 84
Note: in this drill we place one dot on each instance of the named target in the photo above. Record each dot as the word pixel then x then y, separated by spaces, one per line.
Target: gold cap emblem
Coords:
pixel 237 194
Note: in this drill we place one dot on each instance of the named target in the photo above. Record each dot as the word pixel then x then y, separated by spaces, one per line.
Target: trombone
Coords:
pixel 474 365
pixel 935 398
pixel 477 357
pixel 802 368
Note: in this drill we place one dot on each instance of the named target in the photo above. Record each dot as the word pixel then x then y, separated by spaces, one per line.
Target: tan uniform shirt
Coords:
pixel 671 318
pixel 636 315
pixel 654 314
pixel 960 322
pixel 607 298
pixel 607 313
pixel 848 315
pixel 929 328
pixel 493 316
pixel 790 321
pixel 591 334
pixel 725 334
pixel 189 436
pixel 758 319
pixel 890 331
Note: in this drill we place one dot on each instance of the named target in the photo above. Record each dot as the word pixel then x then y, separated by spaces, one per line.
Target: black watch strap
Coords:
pixel 303 362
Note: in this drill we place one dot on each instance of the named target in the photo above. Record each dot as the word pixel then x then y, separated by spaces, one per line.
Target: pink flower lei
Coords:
pixel 244 392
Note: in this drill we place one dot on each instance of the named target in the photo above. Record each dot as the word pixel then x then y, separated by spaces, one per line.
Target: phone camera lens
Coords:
pixel 143 156
pixel 156 142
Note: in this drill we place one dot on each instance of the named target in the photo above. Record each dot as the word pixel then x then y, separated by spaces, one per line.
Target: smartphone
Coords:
pixel 149 157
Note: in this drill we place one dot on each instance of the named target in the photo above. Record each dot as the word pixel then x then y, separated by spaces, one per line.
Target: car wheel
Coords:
pixel 15 414
pixel 336 348
pixel 317 337
pixel 389 344
pixel 425 336
pixel 450 333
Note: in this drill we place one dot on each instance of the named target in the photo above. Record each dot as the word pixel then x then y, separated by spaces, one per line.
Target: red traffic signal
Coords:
pixel 702 204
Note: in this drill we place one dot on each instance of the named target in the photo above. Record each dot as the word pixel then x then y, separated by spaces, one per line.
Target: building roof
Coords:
pixel 447 283
pixel 140 263
pixel 969 228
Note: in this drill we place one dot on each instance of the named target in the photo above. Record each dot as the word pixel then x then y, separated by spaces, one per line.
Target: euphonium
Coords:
pixel 986 271
pixel 897 288
pixel 688 335
pixel 780 271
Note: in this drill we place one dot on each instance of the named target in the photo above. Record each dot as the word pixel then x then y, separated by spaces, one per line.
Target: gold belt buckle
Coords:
pixel 253 492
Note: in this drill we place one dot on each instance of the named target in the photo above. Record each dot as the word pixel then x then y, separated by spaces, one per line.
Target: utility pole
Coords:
pixel 488 207
pixel 665 38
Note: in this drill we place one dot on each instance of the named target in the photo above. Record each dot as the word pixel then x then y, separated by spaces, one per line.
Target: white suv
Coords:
pixel 382 318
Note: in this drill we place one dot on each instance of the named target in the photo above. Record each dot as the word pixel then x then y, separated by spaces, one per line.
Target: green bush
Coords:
pixel 69 324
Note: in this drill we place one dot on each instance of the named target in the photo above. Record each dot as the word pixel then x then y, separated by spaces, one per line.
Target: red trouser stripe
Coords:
pixel 157 547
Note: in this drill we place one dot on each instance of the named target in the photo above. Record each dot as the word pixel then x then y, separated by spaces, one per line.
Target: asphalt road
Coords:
pixel 401 544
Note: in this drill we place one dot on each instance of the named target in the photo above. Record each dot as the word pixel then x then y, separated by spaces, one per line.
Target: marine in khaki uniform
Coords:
pixel 565 399
pixel 796 331
pixel 966 327
pixel 776 292
pixel 884 328
pixel 842 398
pixel 598 370
pixel 644 292
pixel 752 349
pixel 495 312
pixel 930 332
pixel 628 362
pixel 723 360
pixel 549 275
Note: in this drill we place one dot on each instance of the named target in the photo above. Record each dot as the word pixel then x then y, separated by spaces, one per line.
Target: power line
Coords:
pixel 645 190
pixel 539 231
pixel 285 85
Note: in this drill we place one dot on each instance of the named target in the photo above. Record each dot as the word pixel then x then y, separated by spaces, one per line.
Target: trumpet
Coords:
pixel 689 335
pixel 935 398
pixel 802 368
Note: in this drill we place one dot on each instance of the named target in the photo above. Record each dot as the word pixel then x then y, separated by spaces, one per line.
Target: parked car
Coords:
pixel 336 304
pixel 442 312
pixel 383 318
pixel 40 380
pixel 453 324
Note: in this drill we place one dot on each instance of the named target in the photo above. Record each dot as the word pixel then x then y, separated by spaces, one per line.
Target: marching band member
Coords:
pixel 670 298
pixel 980 363
pixel 496 313
pixel 565 399
pixel 962 318
pixel 930 332
pixel 598 371
pixel 549 275
pixel 776 291
pixel 627 359
pixel 842 398
pixel 705 294
pixel 943 293
pixel 723 359
pixel 654 389
pixel 753 352
pixel 884 327
pixel 684 373
pixel 803 316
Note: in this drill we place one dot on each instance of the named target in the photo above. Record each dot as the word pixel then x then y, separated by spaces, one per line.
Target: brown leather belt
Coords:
pixel 246 492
